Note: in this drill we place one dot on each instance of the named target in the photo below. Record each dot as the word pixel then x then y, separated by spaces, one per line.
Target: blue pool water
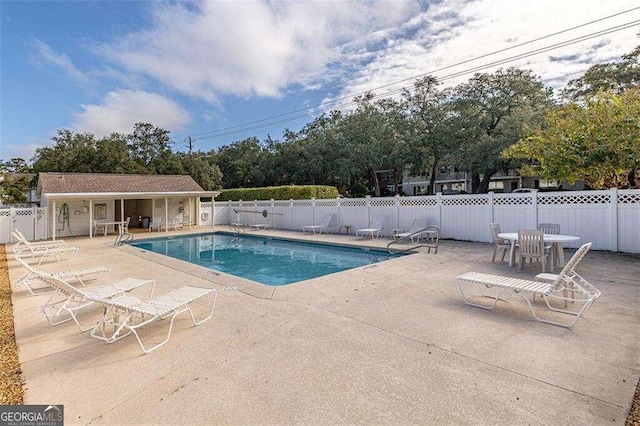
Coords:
pixel 265 260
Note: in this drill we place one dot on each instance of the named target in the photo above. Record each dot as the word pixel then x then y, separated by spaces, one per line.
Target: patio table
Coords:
pixel 105 226
pixel 556 239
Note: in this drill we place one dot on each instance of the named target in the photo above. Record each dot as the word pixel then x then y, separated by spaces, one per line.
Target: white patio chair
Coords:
pixel 126 315
pixel 531 244
pixel 174 223
pixel 157 223
pixel 552 228
pixel 500 243
pixel 97 274
pixel 556 291
pixel 69 299
pixel 414 233
pixel 374 230
pixel 328 222
pixel 125 225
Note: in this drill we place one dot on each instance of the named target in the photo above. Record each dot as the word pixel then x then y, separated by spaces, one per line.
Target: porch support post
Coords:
pixel 166 214
pixel 91 218
pixel 121 215
pixel 53 219
pixel 190 214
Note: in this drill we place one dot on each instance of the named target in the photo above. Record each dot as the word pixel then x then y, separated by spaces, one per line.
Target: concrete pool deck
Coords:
pixel 389 343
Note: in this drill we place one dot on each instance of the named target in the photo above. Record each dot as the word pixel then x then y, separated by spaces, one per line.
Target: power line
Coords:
pixel 423 74
pixel 253 125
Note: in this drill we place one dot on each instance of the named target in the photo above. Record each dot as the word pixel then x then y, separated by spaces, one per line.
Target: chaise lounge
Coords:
pixel 566 281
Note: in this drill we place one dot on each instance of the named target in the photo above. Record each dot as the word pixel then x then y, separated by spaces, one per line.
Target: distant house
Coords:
pixel 450 180
pixel 76 201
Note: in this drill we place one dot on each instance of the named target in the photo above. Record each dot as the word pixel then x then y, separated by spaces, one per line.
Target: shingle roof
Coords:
pixel 74 183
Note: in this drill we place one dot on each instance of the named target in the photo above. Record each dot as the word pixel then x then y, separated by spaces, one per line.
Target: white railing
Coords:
pixel 608 218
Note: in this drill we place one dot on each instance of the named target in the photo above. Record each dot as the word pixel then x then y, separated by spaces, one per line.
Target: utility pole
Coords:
pixel 190 145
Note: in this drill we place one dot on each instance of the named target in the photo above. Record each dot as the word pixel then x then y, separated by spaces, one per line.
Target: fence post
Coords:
pixel 491 209
pixel 397 203
pixel 290 214
pixel 439 204
pixel 34 215
pixel 534 206
pixel 613 219
pixel 367 202
pixel 338 205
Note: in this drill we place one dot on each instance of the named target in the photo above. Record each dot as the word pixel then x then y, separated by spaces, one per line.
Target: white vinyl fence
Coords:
pixel 31 221
pixel 608 218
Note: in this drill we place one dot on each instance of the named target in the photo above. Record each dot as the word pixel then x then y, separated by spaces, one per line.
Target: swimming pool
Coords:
pixel 268 261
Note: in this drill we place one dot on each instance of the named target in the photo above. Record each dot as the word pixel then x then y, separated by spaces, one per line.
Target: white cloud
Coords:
pixel 121 109
pixel 454 31
pixel 47 55
pixel 211 49
pixel 24 150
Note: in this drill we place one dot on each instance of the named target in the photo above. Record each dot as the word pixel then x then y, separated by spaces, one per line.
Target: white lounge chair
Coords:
pixel 126 315
pixel 19 236
pixel 27 249
pixel 414 233
pixel 374 230
pixel 69 299
pixel 328 222
pixel 97 274
pixel 567 280
pixel 569 269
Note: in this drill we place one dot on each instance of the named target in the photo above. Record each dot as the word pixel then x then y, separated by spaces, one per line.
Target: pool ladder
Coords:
pixel 432 240
pixel 122 238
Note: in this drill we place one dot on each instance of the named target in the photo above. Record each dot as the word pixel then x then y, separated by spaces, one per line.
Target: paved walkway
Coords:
pixel 392 343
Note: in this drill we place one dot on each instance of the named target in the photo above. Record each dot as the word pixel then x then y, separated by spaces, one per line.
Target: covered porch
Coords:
pixel 96 204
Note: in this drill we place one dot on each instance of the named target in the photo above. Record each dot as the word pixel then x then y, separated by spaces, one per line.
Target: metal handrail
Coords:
pixel 413 234
pixel 122 238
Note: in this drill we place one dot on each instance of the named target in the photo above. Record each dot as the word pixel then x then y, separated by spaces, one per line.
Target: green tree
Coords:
pixel 613 76
pixel 16 165
pixel 490 113
pixel 203 169
pixel 13 189
pixel 240 162
pixel 150 148
pixel 598 142
pixel 114 156
pixel 429 130
pixel 71 152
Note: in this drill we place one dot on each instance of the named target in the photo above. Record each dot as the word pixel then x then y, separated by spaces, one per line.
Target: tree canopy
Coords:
pixel 598 142
pixel 594 138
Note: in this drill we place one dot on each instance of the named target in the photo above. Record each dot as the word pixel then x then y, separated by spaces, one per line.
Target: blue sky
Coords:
pixel 196 67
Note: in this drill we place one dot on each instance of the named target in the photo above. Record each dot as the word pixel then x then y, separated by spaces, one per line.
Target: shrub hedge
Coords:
pixel 291 192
